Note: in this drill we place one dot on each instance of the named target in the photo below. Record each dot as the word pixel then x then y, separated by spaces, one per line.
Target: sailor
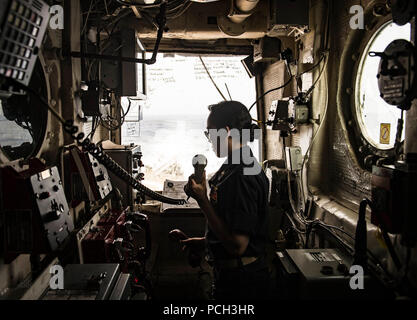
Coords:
pixel 236 210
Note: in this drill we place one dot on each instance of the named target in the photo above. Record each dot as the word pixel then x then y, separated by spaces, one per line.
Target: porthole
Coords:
pixel 377 120
pixel 23 121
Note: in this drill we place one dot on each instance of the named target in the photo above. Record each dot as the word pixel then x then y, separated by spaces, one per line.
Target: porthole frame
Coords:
pixel 357 90
pixel 40 67
pixel 364 153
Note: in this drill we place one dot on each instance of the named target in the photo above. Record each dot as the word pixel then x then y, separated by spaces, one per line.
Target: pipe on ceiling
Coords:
pixel 233 24
pixel 245 8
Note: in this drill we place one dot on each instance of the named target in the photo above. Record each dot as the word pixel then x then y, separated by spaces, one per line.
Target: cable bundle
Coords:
pixel 113 166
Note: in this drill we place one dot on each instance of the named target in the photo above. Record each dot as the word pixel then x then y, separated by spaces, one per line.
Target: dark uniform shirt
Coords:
pixel 242 202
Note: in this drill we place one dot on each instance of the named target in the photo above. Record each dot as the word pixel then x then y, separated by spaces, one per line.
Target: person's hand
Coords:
pixel 196 190
pixel 193 244
pixel 195 248
pixel 177 235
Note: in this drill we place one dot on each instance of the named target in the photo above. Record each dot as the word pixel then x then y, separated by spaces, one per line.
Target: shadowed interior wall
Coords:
pixel 341 178
pixel 335 176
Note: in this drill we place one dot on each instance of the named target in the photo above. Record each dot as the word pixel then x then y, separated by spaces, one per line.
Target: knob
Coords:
pixel 44 195
pixel 327 270
pixel 137 155
pixel 342 268
pixel 51 216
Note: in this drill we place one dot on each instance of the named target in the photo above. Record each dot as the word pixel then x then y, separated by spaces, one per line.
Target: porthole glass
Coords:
pixel 377 119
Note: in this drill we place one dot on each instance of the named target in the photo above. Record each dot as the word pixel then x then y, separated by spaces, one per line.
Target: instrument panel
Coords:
pixel 21 38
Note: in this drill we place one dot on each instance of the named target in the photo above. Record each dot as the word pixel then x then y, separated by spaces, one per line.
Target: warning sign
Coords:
pixel 385 133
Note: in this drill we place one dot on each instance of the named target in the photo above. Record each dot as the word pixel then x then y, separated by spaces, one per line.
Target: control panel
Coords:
pixel 97 245
pixel 86 179
pixel 286 114
pixel 22 30
pixel 101 178
pixel 52 206
pixel 88 227
pixel 92 282
pixel 322 274
pixel 278 116
pixel 34 209
pixel 130 159
pixel 116 236
pixel 313 273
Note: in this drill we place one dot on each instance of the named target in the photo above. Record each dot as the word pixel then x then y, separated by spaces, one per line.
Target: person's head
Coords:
pixel 229 127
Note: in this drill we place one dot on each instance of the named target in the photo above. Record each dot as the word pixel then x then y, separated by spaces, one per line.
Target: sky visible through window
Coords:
pixel 173 118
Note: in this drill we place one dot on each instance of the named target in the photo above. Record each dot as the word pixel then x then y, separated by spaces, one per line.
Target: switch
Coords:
pixel 33 17
pixel 327 270
pixel 14 6
pixel 21 9
pixel 100 178
pixel 51 216
pixel 10 18
pixel 35 31
pixel 44 195
pixel 27 13
pixel 342 268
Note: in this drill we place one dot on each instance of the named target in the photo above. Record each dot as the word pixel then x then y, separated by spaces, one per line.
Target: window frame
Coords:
pixel 358 80
pixel 364 153
pixel 145 82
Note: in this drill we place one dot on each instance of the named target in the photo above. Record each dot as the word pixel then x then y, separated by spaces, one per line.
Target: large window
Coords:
pixel 170 124
pixel 377 119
